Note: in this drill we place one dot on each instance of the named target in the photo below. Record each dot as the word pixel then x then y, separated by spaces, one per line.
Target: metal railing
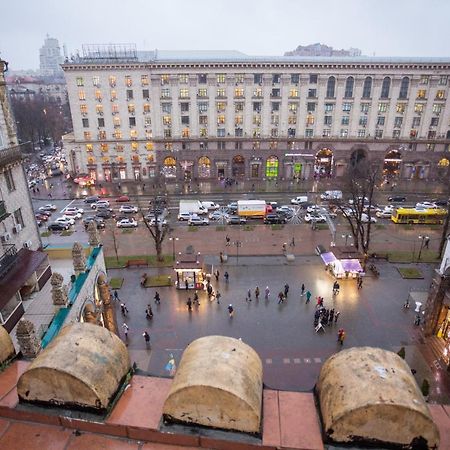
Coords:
pixel 3 212
pixel 8 259
pixel 10 155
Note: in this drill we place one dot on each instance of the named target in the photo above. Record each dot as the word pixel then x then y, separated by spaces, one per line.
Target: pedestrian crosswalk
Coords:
pixel 271 361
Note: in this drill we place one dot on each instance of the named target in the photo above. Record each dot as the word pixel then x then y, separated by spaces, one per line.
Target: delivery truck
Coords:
pixel 192 207
pixel 251 208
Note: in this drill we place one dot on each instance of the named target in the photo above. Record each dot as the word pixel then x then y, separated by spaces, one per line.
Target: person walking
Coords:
pixel 335 288
pixel 189 304
pixel 116 295
pixel 286 290
pixel 280 297
pixel 186 284
pixel 417 320
pixel 336 316
pixel 303 289
pixel 341 336
pixel 331 317
pixel 227 240
pixel 249 296
pixel 217 274
pixel 196 301
pixel 125 329
pixel 149 312
pixel 218 295
pixel 226 276
pixel 360 282
pixel 230 310
pixel 124 309
pixel 292 244
pixel 426 242
pixel 257 293
pixel 221 257
pixel 267 293
pixel 146 338
pixel 157 298
pixel 308 296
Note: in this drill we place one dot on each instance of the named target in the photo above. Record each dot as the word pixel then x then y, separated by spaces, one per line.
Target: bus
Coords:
pixel 413 215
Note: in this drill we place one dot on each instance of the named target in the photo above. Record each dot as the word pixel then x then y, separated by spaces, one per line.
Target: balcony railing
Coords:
pixel 10 155
pixel 8 259
pixel 3 213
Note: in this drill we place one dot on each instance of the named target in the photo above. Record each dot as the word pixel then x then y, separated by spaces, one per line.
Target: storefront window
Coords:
pixel 169 169
pixel 204 167
pixel 272 167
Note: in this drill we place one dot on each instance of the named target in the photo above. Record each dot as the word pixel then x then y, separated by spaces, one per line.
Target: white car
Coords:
pixel 184 216
pixel 210 205
pixel 127 223
pixel 299 200
pixel 73 209
pixel 72 214
pixel 426 205
pixel 314 209
pixel 128 209
pixel 100 204
pixel 218 215
pixel 285 209
pixel 196 220
pixel 160 221
pixel 65 220
pixel 48 207
pixel 384 214
pixel 318 218
pixel 365 219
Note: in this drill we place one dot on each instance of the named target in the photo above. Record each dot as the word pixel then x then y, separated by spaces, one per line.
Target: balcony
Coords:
pixel 10 155
pixel 3 213
pixel 8 259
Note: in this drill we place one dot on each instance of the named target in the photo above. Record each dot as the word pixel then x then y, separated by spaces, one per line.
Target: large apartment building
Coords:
pixel 205 115
pixel 23 269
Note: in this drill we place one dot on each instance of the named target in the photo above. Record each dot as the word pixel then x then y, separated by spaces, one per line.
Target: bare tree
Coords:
pixel 155 224
pixel 358 211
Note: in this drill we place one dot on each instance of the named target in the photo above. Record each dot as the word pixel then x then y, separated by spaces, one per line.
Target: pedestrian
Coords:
pixel 124 309
pixel 303 289
pixel 125 329
pixel 37 189
pixel 280 297
pixel 157 298
pixel 417 320
pixel 308 296
pixel 227 240
pixel 221 257
pixel 49 195
pixel 210 291
pixel 249 295
pixel 341 336
pixel 284 247
pixel 186 284
pixel 257 293
pixel 149 312
pixel 195 300
pixel 336 316
pixel 286 290
pixel 226 276
pixel 335 288
pixel 146 338
pixel 116 295
pixel 331 317
pixel 406 304
pixel 230 310
pixel 217 274
pixel 292 244
pixel 218 295
pixel 267 293
pixel 360 282
pixel 143 187
pixel 189 304
pixel 426 242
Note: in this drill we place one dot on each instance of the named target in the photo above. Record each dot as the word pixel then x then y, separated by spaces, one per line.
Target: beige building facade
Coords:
pixel 204 115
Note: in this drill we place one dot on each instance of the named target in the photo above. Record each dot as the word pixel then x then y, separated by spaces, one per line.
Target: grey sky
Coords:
pixel 258 27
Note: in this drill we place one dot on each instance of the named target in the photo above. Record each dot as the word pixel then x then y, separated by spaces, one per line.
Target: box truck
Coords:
pixel 192 207
pixel 251 208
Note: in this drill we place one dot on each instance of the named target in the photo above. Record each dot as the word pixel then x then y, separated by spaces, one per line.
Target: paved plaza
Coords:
pixel 282 334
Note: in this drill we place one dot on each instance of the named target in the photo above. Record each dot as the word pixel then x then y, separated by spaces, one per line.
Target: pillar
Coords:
pixel 109 316
pixel 78 258
pixel 59 291
pixel 94 238
pixel 28 341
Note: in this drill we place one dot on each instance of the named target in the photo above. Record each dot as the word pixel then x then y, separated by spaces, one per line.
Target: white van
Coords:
pixel 210 205
pixel 331 195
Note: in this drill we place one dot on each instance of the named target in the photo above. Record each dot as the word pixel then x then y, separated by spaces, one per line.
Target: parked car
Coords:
pixel 314 209
pixel 397 199
pixel 48 207
pixel 161 222
pixel 65 219
pixel 128 222
pixel 286 209
pixel 210 205
pixel 274 219
pixel 56 226
pixel 233 206
pixel 384 214
pixel 184 216
pixel 41 217
pixel 92 199
pixel 441 202
pixel 365 218
pixel 72 214
pixel 197 220
pixel 100 204
pixel 98 221
pixel 105 214
pixel 426 205
pixel 73 209
pixel 123 199
pixel 318 218
pixel 299 200
pixel 218 215
pixel 236 220
pixel 128 209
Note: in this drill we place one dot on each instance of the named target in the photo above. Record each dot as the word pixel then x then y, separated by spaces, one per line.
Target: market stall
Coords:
pixel 190 271
pixel 342 268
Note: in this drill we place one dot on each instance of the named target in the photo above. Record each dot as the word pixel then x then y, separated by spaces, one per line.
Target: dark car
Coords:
pixel 98 220
pixel 236 220
pixel 442 202
pixel 104 214
pixel 55 226
pixel 92 199
pixel 397 198
pixel 274 219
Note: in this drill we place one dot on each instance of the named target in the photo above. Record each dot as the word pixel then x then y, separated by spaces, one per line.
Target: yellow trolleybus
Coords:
pixel 412 215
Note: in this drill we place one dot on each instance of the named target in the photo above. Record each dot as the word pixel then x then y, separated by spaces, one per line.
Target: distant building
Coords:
pixel 51 88
pixel 322 50
pixel 22 268
pixel 50 57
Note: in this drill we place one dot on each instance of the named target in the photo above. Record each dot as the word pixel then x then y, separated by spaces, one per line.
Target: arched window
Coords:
pixel 331 84
pixel 404 88
pixel 385 87
pixel 367 88
pixel 204 167
pixel 349 87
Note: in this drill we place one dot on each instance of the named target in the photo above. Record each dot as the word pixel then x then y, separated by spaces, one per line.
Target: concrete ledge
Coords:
pixel 290 257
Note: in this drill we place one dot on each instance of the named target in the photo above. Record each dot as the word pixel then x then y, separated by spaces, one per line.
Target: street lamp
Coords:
pixel 173 239
pixel 237 244
pixel 423 240
pixel 346 237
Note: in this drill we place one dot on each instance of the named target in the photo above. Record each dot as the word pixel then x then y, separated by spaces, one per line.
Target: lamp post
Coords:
pixel 173 239
pixel 346 237
pixel 237 244
pixel 423 239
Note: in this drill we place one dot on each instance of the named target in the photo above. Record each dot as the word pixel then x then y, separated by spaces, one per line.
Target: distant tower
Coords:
pixel 50 57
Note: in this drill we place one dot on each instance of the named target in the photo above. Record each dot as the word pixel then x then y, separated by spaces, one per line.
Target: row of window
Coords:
pixel 11 186
pixel 257 79
pixel 104 147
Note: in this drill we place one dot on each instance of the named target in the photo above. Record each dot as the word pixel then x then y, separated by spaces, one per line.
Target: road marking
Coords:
pixel 437 364
pixel 65 207
pixel 317 360
pixel 297 360
pixel 307 360
pixel 268 360
pixel 286 360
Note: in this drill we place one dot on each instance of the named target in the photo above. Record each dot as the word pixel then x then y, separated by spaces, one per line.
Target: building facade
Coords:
pixel 203 115
pixel 50 57
pixel 22 268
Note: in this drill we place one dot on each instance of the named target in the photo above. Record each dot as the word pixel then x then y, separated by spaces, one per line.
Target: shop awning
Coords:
pixel 351 265
pixel 328 257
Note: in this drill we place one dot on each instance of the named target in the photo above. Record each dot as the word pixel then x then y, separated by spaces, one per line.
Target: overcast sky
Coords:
pixel 258 27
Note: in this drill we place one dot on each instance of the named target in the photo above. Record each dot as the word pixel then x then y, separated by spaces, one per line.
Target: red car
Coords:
pixel 123 198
